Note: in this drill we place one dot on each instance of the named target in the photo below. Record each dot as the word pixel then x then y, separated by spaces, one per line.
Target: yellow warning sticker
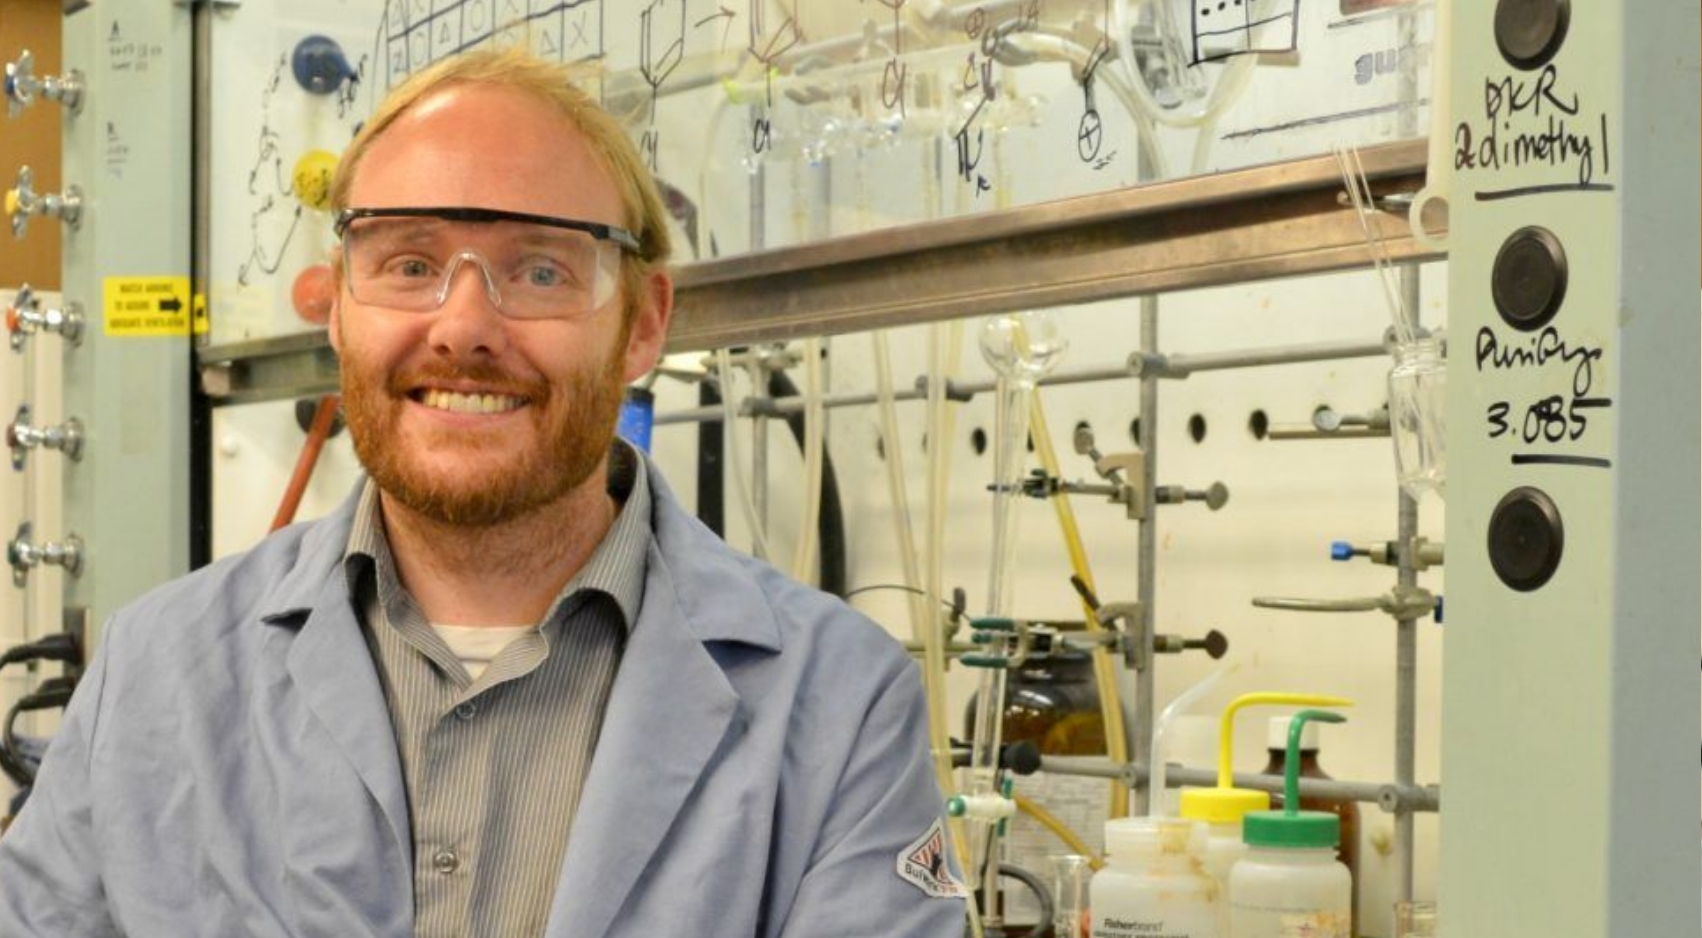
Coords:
pixel 147 306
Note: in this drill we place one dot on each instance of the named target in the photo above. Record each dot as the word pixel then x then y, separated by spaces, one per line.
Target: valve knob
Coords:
pixel 21 437
pixel 23 201
pixel 25 317
pixel 22 86
pixel 24 556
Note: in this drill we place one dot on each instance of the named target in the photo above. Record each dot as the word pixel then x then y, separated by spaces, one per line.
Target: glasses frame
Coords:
pixel 601 232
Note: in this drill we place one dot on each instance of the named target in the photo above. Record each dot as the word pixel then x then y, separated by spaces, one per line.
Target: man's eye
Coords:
pixel 411 267
pixel 540 275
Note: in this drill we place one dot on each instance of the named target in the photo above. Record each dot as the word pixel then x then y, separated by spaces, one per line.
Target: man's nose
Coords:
pixel 469 320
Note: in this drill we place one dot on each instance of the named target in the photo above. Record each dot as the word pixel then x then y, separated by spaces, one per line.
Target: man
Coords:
pixel 510 688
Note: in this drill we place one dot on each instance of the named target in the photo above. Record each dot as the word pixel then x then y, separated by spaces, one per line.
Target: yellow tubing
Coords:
pixel 1104 669
pixel 1051 822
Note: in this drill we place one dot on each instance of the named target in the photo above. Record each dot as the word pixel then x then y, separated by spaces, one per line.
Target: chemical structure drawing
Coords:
pixel 1223 29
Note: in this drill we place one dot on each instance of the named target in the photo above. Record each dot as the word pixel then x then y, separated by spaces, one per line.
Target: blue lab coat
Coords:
pixel 228 766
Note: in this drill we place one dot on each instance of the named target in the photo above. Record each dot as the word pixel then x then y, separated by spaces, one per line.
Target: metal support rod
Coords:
pixel 1406 628
pixel 1181 366
pixel 1174 366
pixel 1397 797
pixel 1406 652
pixel 1147 558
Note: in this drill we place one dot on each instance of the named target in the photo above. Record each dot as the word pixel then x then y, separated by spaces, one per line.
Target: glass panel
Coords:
pixel 779 123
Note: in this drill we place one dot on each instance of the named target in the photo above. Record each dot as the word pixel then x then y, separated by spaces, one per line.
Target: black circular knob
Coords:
pixel 1528 282
pixel 1530 32
pixel 1526 538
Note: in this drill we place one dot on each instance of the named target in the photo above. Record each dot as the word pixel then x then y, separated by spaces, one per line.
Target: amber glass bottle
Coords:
pixel 1276 743
pixel 1052 702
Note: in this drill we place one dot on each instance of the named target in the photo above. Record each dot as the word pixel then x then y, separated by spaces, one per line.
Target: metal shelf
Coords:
pixel 1280 220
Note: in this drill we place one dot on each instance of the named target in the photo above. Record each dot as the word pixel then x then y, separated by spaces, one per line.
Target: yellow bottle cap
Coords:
pixel 1222 805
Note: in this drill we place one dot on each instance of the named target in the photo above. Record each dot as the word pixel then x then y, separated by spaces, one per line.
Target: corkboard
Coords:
pixel 32 139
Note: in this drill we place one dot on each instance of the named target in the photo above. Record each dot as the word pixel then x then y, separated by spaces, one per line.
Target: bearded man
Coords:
pixel 510 688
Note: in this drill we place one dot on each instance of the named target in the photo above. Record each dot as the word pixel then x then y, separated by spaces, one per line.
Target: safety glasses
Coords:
pixel 533 266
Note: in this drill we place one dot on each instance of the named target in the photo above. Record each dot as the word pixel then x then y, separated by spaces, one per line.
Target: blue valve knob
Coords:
pixel 319 65
pixel 1437 615
pixel 1341 550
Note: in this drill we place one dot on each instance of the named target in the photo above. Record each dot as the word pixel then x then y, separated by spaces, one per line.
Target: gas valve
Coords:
pixel 22 87
pixel 25 317
pixel 21 437
pixel 22 202
pixel 25 556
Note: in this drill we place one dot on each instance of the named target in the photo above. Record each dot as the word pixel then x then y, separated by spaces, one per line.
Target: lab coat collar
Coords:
pixel 331 664
pixel 319 556
pixel 717 586
pixel 671 710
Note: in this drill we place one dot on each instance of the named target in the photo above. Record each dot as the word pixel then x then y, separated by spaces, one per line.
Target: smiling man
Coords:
pixel 510 688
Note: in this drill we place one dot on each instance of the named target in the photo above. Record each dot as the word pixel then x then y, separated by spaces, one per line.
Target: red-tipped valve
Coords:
pixel 25 316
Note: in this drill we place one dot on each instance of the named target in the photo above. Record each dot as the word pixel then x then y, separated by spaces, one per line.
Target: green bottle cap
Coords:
pixel 1292 827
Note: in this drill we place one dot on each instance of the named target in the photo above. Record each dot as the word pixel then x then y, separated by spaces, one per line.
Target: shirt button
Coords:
pixel 445 862
pixel 467 711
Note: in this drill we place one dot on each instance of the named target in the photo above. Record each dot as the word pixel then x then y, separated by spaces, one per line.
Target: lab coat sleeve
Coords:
pixel 50 883
pixel 887 799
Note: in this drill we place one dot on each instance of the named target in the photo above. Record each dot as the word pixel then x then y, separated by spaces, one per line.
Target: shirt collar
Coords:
pixel 616 568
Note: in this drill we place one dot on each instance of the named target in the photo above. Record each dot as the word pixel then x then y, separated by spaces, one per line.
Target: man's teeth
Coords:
pixel 471 403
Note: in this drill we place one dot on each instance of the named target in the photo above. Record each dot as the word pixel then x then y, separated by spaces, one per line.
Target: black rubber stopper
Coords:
pixel 1530 32
pixel 1529 279
pixel 1526 539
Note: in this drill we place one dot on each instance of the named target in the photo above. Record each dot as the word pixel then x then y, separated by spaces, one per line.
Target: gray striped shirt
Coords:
pixel 494 766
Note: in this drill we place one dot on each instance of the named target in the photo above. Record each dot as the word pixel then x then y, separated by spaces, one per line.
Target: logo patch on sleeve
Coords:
pixel 923 865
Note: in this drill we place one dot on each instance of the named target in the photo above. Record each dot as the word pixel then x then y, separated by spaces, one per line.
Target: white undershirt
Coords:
pixel 478 645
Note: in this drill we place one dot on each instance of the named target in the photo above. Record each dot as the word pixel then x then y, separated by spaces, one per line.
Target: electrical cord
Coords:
pixel 1041 893
pixel 53 693
pixel 60 646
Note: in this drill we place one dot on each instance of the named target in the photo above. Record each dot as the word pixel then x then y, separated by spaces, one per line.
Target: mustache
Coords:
pixel 487 376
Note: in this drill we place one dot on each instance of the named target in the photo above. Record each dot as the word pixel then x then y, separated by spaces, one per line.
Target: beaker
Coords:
pixel 1070 875
pixel 1418 397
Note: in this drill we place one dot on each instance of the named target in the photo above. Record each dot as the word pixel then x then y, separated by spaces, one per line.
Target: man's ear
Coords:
pixel 650 325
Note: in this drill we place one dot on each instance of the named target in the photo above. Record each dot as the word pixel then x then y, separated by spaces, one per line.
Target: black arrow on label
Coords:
pixel 170 304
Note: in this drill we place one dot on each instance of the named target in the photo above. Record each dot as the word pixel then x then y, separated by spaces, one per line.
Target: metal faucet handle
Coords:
pixel 23 201
pixel 25 317
pixel 21 437
pixel 22 86
pixel 23 556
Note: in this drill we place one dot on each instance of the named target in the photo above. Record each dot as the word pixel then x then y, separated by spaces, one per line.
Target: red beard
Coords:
pixel 575 420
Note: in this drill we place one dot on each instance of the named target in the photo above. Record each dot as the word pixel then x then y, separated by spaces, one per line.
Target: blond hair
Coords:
pixel 557 85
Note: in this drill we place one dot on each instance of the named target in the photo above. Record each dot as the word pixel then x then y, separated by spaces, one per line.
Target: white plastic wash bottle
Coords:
pixel 1222 808
pixel 1153 883
pixel 1290 882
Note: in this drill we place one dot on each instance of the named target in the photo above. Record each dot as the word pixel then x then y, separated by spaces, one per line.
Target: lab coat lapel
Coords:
pixel 668 713
pixel 331 664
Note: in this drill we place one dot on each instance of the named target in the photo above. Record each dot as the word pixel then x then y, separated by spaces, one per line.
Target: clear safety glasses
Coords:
pixel 534 266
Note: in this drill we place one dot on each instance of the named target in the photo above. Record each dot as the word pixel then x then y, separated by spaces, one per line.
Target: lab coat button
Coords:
pixel 467 711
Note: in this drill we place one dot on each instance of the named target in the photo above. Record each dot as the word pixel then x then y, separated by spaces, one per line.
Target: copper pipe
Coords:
pixel 323 417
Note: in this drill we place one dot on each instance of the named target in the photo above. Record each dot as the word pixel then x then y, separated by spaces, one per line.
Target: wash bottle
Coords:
pixel 1290 882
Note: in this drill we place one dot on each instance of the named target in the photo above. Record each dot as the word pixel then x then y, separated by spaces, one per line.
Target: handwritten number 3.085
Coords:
pixel 1552 419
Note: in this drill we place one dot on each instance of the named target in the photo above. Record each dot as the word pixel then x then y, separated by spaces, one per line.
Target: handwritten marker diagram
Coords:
pixel 415 33
pixel 1227 28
